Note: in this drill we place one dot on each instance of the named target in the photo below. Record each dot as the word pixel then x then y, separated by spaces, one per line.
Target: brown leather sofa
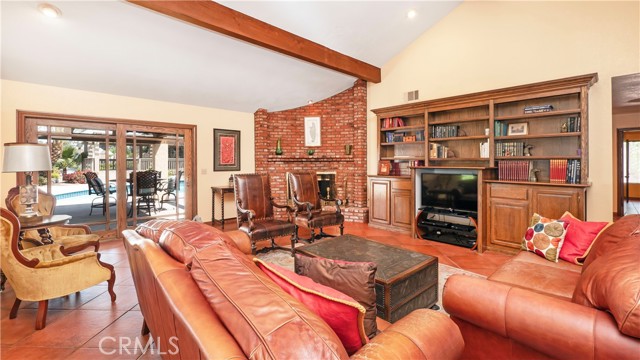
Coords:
pixel 532 308
pixel 178 302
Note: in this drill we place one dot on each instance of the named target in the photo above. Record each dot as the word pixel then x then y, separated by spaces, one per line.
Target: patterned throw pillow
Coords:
pixel 545 237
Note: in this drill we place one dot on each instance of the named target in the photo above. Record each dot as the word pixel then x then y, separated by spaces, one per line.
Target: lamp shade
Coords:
pixel 23 157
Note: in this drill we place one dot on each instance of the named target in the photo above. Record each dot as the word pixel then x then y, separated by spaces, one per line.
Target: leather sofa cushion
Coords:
pixel 529 271
pixel 183 239
pixel 153 229
pixel 266 321
pixel 612 283
pixel 610 237
pixel 341 312
pixel 356 279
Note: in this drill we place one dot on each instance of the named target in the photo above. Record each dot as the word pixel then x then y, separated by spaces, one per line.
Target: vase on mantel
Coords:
pixel 279 147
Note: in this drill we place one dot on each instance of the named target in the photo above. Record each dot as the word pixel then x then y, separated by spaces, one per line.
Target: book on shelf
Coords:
pixel 514 170
pixel 403 136
pixel 484 149
pixel 573 124
pixel 443 131
pixel 514 148
pixel 565 171
pixel 500 128
pixel 438 151
pixel 537 109
pixel 392 122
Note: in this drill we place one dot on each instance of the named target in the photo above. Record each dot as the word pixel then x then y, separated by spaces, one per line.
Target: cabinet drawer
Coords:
pixel 509 192
pixel 401 185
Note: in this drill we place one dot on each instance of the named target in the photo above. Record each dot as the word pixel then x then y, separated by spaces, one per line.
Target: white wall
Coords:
pixel 39 98
pixel 484 45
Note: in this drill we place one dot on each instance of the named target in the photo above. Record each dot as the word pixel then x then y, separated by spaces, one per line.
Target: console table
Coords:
pixel 222 190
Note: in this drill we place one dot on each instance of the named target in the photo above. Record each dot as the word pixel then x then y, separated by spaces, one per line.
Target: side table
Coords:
pixel 222 190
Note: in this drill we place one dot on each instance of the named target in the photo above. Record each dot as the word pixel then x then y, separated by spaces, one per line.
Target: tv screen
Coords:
pixel 450 191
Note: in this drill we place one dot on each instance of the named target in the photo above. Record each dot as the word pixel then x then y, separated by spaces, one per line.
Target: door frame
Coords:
pixel 22 133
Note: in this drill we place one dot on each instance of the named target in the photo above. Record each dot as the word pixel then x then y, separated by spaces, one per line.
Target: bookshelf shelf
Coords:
pixel 406 158
pixel 459 159
pixel 560 157
pixel 459 138
pixel 404 128
pixel 461 120
pixel 538 115
pixel 539 136
pixel 401 143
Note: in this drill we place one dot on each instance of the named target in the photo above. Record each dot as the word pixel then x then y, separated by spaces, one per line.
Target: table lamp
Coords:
pixel 24 157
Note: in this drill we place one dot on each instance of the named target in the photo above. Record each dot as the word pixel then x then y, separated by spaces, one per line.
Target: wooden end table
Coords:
pixel 222 190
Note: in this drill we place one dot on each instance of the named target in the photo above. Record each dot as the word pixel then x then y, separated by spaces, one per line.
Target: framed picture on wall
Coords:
pixel 226 150
pixel 312 131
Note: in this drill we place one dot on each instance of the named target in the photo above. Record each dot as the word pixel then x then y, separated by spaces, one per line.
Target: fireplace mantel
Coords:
pixel 312 158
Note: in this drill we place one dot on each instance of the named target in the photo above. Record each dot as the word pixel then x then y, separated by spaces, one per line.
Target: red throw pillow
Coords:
pixel 580 236
pixel 343 314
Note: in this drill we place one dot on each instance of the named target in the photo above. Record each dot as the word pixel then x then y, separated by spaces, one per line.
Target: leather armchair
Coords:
pixel 72 238
pixel 308 205
pixel 255 214
pixel 45 272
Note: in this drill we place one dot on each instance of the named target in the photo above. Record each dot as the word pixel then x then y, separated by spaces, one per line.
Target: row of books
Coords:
pixel 484 149
pixel 573 124
pixel 511 170
pixel 515 148
pixel 564 171
pixel 537 109
pixel 438 151
pixel 443 131
pixel 392 122
pixel 500 128
pixel 391 136
pixel 400 169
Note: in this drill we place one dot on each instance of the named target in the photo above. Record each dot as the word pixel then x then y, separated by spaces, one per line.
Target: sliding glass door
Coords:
pixel 114 174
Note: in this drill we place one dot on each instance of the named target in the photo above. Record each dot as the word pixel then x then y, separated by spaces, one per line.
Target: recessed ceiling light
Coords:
pixel 310 102
pixel 49 10
pixel 411 14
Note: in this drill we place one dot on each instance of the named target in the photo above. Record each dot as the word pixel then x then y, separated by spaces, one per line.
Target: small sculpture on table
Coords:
pixel 533 175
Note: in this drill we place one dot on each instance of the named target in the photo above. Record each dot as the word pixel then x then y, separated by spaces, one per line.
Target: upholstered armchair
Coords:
pixel 254 205
pixel 44 272
pixel 72 238
pixel 308 205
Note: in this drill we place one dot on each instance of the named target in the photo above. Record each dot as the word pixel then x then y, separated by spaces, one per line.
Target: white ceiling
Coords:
pixel 119 48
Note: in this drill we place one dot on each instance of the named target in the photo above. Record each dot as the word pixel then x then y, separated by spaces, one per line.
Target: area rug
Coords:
pixel 284 259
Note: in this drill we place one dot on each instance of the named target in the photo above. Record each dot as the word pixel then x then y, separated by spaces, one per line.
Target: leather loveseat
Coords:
pixel 222 306
pixel 531 308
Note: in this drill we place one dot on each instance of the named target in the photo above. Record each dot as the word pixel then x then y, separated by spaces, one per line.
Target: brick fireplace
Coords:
pixel 343 121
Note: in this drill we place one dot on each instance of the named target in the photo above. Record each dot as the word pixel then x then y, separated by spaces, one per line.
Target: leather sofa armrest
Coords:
pixel 423 334
pixel 551 326
pixel 241 239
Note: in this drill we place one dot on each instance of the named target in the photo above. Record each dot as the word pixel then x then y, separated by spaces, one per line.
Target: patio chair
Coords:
pixel 146 190
pixel 44 272
pixel 255 204
pixel 168 189
pixel 97 187
pixel 308 205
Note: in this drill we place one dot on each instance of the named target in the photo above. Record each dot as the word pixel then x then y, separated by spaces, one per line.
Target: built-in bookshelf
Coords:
pixel 401 141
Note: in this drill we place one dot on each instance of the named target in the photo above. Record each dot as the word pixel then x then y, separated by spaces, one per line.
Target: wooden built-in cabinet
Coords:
pixel 511 206
pixel 537 129
pixel 390 203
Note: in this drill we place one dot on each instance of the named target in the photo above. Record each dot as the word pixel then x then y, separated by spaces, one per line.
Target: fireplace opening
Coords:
pixel 327 184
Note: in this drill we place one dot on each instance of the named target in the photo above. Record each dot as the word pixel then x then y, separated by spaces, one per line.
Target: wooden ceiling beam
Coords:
pixel 219 18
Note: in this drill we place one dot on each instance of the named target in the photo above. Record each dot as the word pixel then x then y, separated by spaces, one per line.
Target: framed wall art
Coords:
pixel 312 131
pixel 226 150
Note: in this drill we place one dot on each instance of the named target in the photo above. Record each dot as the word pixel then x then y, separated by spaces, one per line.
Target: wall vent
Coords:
pixel 412 95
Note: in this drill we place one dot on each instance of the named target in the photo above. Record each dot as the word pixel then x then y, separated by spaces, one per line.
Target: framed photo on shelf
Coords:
pixel 312 131
pixel 518 129
pixel 384 167
pixel 226 150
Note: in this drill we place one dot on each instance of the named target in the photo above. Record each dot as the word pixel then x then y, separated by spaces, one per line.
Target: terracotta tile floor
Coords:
pixel 87 325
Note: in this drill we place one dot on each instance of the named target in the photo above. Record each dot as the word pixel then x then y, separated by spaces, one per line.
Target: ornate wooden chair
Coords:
pixel 308 205
pixel 255 204
pixel 44 272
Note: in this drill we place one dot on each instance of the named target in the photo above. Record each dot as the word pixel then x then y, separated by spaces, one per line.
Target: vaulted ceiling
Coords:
pixel 124 49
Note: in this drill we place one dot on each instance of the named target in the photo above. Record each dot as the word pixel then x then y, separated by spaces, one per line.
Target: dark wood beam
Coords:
pixel 222 19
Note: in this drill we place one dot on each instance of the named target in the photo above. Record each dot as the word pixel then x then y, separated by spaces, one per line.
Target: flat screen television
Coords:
pixel 450 192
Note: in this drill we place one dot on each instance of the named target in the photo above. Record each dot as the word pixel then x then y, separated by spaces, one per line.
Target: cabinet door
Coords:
pixel 553 202
pixel 401 208
pixel 508 221
pixel 379 211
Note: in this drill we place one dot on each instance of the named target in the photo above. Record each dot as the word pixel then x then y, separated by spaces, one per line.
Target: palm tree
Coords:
pixel 68 158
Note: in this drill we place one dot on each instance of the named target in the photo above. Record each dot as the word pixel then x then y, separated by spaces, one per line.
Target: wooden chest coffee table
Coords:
pixel 405 280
